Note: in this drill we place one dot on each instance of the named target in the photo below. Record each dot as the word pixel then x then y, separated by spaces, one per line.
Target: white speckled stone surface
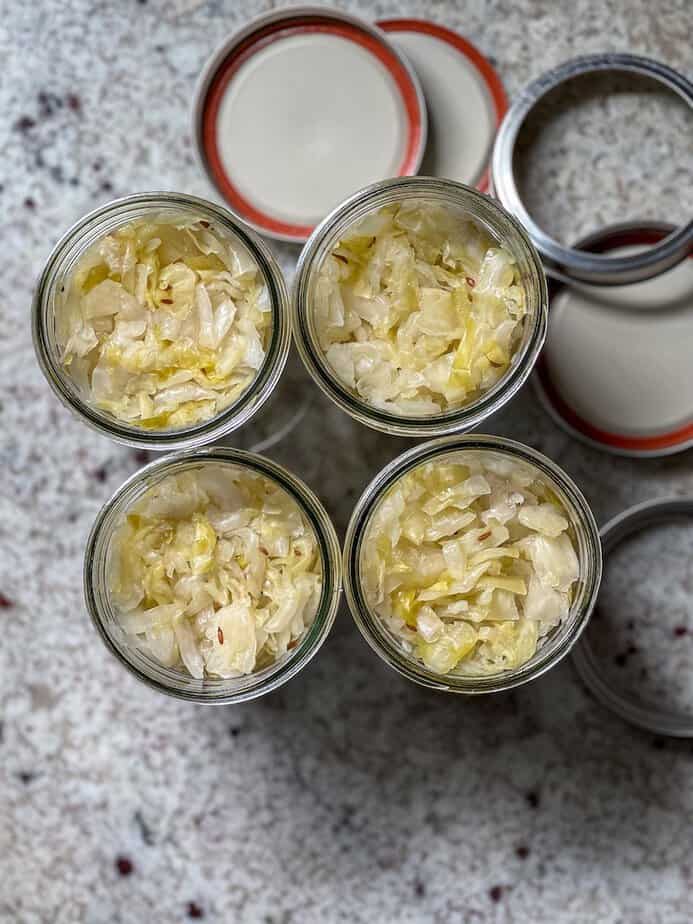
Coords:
pixel 348 795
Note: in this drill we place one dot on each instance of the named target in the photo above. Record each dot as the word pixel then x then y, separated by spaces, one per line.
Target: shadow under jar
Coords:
pixel 107 616
pixel 581 530
pixel 465 208
pixel 67 261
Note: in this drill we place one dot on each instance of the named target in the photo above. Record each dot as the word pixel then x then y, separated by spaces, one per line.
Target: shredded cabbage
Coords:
pixel 164 323
pixel 418 310
pixel 470 562
pixel 215 570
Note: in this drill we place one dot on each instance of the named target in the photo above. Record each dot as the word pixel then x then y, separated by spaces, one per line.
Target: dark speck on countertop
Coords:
pixel 100 473
pixel 124 866
pixel 24 123
pixel 146 832
pixel 48 104
pixel 141 456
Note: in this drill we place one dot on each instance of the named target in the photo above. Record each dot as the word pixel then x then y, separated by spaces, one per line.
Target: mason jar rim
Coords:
pixel 371 626
pixel 214 691
pixel 231 417
pixel 355 207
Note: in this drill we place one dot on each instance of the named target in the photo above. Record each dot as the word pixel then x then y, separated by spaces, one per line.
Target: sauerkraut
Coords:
pixel 215 570
pixel 470 563
pixel 418 311
pixel 164 323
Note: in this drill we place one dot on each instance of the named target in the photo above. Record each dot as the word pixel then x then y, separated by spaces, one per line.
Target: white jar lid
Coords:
pixel 301 108
pixel 465 99
pixel 616 370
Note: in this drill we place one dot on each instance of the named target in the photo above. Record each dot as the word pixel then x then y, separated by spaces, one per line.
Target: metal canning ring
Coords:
pixel 568 263
pixel 633 520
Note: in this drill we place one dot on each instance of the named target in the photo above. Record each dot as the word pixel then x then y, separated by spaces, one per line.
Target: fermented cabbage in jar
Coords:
pixel 418 310
pixel 164 323
pixel 469 560
pixel 215 570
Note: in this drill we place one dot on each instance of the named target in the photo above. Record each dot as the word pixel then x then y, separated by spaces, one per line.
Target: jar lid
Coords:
pixel 572 263
pixel 636 654
pixel 464 95
pixel 298 109
pixel 616 369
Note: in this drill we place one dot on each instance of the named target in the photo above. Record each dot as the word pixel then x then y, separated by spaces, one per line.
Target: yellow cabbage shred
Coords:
pixel 418 310
pixel 470 562
pixel 215 571
pixel 164 322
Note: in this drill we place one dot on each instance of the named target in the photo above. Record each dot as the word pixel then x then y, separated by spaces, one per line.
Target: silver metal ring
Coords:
pixel 567 262
pixel 632 520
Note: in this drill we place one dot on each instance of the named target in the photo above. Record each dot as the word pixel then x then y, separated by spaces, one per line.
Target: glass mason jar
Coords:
pixel 177 681
pixel 471 204
pixel 59 267
pixel 558 642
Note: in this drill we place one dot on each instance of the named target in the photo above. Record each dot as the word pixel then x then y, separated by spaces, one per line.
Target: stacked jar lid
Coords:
pixel 306 105
pixel 286 138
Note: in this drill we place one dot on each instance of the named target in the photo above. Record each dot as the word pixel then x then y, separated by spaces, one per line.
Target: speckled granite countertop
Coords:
pixel 348 795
